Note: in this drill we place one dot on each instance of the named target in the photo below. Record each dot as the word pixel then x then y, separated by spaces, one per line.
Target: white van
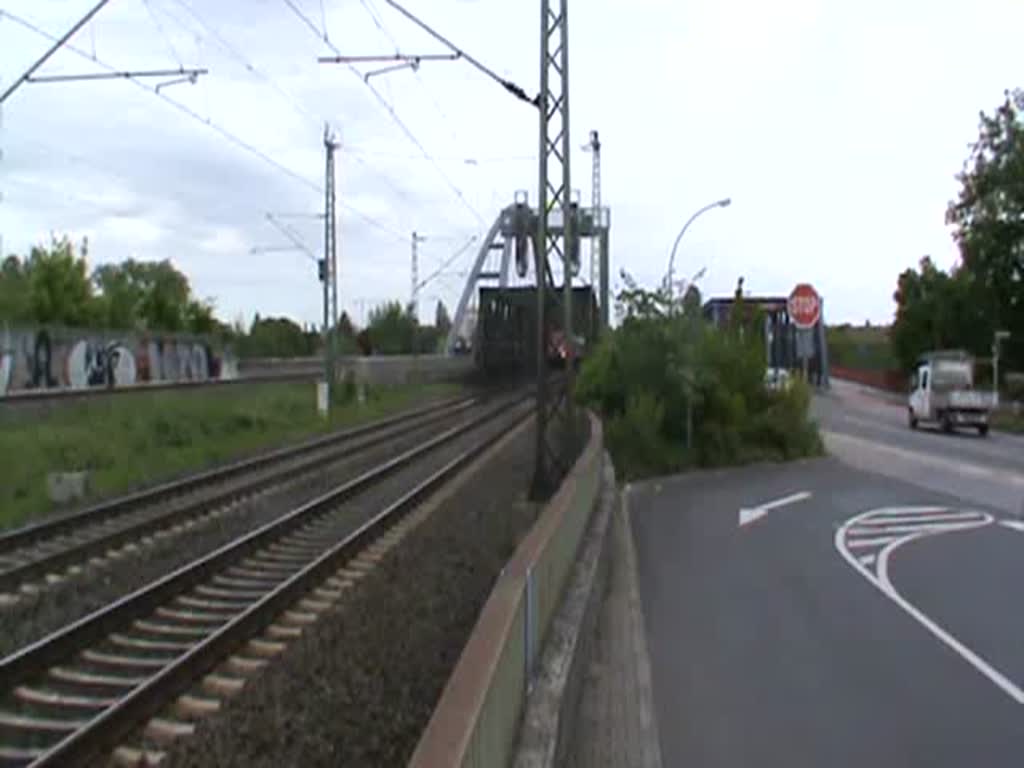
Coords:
pixel 942 391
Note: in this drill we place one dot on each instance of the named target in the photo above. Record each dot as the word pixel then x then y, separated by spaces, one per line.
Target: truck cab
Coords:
pixel 942 391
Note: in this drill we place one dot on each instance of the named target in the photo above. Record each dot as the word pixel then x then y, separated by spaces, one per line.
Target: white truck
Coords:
pixel 942 391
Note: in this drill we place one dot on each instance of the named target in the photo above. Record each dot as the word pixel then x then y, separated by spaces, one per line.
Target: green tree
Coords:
pixel 59 290
pixel 988 217
pixel 277 337
pixel 14 292
pixel 937 310
pixel 147 295
pixel 391 329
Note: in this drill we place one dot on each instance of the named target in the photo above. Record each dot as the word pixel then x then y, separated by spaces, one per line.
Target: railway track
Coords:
pixel 43 552
pixel 143 668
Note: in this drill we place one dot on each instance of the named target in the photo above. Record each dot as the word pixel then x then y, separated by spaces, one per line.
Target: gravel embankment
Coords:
pixel 359 686
pixel 33 617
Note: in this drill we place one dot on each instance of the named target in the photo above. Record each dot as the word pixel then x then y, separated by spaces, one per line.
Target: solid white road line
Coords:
pixel 993 674
pixel 884 585
pixel 1015 525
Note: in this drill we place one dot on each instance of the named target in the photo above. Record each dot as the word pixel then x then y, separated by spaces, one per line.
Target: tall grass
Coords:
pixel 138 439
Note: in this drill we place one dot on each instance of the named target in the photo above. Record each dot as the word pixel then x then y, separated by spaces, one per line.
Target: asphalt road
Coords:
pixel 869 431
pixel 873 620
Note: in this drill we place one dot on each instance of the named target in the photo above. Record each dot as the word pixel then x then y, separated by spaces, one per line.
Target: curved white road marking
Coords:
pixel 879 575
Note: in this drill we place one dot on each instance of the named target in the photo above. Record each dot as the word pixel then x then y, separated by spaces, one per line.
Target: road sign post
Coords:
pixel 804 308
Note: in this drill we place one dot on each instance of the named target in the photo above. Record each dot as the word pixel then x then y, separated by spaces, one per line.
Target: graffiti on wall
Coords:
pixel 43 359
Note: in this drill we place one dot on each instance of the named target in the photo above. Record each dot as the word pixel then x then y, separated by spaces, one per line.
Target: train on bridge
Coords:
pixel 505 341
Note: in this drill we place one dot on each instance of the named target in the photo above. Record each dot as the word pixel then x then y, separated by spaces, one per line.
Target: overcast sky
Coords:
pixel 836 127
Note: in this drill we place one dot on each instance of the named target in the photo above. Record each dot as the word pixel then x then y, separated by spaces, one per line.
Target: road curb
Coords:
pixel 650 744
pixel 553 700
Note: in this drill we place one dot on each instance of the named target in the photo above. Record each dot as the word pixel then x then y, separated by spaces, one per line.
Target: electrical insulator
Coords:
pixel 321 268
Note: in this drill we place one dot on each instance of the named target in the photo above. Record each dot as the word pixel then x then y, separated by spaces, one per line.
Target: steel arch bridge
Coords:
pixel 507 259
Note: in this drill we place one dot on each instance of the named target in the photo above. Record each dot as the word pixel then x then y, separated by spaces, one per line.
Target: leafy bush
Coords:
pixel 661 370
pixel 635 438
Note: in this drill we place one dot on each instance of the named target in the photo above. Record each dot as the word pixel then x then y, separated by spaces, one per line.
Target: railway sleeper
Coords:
pixel 39 697
pixel 193 616
pixel 133 757
pixel 213 606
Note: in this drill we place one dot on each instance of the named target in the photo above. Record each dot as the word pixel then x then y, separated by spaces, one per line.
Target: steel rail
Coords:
pixel 107 510
pixel 103 541
pixel 104 731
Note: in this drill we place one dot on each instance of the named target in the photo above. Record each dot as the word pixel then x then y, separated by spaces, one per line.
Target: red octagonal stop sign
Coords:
pixel 804 306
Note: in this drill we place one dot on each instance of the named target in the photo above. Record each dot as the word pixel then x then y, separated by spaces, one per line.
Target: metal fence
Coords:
pixel 476 722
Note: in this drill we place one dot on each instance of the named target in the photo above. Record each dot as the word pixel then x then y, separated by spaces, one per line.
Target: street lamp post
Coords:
pixel 724 203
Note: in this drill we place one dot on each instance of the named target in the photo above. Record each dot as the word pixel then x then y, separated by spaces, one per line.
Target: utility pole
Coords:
pixel 554 191
pixel 998 337
pixel 414 294
pixel 329 268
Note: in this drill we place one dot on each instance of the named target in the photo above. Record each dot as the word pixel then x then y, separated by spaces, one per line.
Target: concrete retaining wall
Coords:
pixel 394 370
pixel 382 370
pixel 476 722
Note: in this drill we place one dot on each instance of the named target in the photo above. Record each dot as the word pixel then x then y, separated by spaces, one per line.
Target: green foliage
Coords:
pixel 278 337
pixel 937 310
pixel 964 307
pixel 394 331
pixel 143 295
pixel 391 329
pixel 664 362
pixel 59 291
pixel 14 293
pixel 635 438
pixel 988 217
pixel 151 437
pixel 53 286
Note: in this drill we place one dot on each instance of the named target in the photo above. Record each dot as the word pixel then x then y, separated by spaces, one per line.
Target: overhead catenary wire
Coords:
pixel 507 84
pixel 285 94
pixel 378 22
pixel 163 34
pixel 447 263
pixel 232 51
pixel 371 10
pixel 223 132
pixel 394 116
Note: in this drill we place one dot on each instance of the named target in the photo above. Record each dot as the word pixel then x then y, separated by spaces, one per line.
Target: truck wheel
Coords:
pixel 911 418
pixel 983 429
pixel 947 423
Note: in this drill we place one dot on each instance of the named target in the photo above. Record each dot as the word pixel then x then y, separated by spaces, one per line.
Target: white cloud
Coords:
pixel 837 128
